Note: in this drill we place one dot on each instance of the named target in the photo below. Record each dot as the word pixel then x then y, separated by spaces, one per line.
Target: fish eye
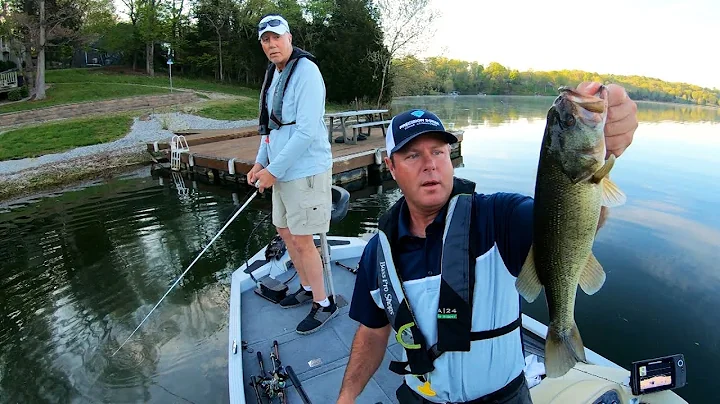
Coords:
pixel 570 120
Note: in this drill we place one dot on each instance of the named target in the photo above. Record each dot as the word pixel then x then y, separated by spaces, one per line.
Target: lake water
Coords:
pixel 80 269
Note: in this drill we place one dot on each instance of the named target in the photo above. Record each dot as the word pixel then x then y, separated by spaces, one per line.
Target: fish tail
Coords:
pixel 563 350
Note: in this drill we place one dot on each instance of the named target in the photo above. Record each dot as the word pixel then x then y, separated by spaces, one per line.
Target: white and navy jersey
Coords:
pixel 503 226
pixel 501 241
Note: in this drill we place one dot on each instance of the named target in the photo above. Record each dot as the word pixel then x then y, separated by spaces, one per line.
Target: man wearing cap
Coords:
pixel 441 272
pixel 294 158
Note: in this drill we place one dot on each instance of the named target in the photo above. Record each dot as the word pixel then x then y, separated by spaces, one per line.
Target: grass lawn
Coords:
pixel 62 136
pixel 230 110
pixel 115 75
pixel 76 92
pixel 80 85
pixel 247 109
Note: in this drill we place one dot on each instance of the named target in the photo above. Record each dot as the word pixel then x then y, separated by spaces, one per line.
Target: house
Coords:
pixel 9 51
pixel 8 66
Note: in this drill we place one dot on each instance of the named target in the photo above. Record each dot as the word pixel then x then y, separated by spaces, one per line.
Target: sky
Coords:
pixel 667 39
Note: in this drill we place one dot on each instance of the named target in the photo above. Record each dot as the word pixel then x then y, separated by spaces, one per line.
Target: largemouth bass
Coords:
pixel 572 185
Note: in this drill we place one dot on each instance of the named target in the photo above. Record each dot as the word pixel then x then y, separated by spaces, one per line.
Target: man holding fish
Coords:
pixel 448 265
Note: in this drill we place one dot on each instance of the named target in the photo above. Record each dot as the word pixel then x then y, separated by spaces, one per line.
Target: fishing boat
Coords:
pixel 266 357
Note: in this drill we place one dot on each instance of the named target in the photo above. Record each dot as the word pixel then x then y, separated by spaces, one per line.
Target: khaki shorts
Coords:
pixel 303 205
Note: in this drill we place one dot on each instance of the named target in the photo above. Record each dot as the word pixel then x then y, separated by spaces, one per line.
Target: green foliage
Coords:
pixel 342 34
pixel 439 75
pixel 62 136
pixel 15 95
pixel 231 110
pixel 349 39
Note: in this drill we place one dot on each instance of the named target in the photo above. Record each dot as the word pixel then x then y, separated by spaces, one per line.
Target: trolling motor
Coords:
pixel 274 385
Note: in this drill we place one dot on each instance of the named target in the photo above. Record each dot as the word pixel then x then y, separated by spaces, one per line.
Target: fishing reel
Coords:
pixel 274 385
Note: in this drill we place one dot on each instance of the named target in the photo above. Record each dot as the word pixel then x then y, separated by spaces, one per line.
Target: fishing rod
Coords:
pixel 254 194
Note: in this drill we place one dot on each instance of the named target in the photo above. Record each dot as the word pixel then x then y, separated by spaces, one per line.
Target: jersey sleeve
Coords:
pixel 513 223
pixel 362 307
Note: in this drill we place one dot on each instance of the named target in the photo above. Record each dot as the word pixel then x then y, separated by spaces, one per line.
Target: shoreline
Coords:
pixel 675 104
pixel 54 177
pixel 53 172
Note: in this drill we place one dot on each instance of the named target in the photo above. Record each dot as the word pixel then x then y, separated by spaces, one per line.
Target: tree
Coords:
pixel 43 23
pixel 348 31
pixel 151 25
pixel 216 13
pixel 405 24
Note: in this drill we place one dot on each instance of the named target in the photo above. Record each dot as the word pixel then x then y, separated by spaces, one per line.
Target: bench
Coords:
pixel 357 130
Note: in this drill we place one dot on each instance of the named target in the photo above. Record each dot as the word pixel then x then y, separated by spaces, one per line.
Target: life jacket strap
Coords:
pixel 434 353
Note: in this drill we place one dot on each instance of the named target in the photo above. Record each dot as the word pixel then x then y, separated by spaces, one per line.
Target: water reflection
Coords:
pixel 85 268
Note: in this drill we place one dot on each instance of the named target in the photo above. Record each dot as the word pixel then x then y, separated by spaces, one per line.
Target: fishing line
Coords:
pixel 614 381
pixel 254 194
pixel 92 386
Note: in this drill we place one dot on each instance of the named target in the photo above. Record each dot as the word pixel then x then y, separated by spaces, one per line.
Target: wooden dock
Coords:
pixel 229 154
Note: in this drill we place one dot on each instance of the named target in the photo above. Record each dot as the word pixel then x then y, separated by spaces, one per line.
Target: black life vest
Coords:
pixel 268 121
pixel 456 287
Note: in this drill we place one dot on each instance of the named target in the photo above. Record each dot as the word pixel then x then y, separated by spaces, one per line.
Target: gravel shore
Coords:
pixel 31 174
pixel 142 131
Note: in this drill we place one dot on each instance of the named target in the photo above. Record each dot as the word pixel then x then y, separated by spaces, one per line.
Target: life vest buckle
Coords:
pixel 405 338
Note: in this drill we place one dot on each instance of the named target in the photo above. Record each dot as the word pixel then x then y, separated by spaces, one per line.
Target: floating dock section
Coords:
pixel 228 154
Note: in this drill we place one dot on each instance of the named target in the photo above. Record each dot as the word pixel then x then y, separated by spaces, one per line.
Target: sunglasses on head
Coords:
pixel 272 23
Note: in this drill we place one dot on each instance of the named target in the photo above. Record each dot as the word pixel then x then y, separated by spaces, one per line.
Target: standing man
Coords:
pixel 483 242
pixel 294 158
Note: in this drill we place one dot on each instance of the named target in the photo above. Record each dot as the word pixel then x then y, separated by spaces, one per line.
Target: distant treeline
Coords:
pixel 495 110
pixel 439 75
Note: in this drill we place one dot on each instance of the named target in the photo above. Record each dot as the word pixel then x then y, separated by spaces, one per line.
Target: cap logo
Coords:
pixel 421 121
pixel 417 113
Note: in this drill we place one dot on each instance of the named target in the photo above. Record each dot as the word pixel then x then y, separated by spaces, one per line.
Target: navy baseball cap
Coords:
pixel 408 125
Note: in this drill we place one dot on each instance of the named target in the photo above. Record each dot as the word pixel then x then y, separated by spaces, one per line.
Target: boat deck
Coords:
pixel 320 359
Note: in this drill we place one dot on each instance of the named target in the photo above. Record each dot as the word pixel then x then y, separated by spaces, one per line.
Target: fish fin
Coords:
pixel 563 350
pixel 612 196
pixel 527 283
pixel 592 277
pixel 604 170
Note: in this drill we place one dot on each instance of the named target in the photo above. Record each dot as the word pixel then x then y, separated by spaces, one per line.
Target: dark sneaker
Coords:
pixel 317 318
pixel 298 298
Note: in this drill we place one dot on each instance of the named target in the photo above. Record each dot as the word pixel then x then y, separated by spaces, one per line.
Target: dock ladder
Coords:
pixel 178 145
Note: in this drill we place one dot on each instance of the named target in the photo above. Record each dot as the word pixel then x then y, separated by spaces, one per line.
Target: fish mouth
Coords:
pixel 596 103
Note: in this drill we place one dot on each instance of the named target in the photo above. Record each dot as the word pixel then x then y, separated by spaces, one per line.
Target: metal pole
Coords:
pixel 171 90
pixel 326 265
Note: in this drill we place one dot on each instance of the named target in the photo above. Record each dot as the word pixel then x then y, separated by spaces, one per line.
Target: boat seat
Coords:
pixel 340 202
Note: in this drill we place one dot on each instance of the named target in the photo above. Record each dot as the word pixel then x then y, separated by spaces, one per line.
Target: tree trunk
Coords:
pixel 149 56
pixel 28 69
pixel 40 75
pixel 220 54
pixel 382 83
pixel 134 60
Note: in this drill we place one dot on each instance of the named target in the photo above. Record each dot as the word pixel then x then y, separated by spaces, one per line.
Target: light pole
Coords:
pixel 170 63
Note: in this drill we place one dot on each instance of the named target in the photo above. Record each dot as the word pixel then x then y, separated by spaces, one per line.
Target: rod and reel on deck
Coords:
pixel 274 385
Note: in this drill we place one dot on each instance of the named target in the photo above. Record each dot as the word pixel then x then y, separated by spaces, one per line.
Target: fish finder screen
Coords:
pixel 656 375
